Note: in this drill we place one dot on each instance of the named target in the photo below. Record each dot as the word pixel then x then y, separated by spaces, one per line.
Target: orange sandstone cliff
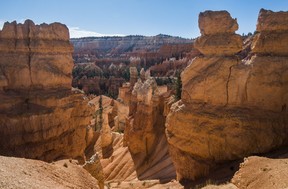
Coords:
pixel 40 116
pixel 230 108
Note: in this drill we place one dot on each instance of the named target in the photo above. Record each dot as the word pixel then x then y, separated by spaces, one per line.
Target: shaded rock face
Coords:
pixel 145 135
pixel 229 108
pixel 40 117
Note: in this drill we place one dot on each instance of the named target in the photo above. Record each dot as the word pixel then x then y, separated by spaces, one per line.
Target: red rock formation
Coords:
pixel 230 109
pixel 40 117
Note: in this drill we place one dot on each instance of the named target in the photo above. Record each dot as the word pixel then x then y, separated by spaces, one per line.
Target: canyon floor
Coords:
pixel 222 124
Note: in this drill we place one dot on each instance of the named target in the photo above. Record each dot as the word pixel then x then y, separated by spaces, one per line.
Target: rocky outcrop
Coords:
pixel 144 133
pixel 27 173
pixel 218 34
pixel 229 108
pixel 40 117
pixel 33 56
pixel 261 172
pixel 271 37
pixel 216 22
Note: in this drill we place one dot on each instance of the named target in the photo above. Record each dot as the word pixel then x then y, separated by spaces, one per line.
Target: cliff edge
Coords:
pixel 40 116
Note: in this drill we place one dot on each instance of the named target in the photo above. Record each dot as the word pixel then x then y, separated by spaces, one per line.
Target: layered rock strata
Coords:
pixel 271 37
pixel 144 132
pixel 40 117
pixel 230 109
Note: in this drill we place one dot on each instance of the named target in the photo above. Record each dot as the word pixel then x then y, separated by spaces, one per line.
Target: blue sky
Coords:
pixel 126 17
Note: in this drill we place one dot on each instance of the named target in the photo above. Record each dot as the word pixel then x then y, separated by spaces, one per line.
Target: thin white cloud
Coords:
pixel 1 24
pixel 76 32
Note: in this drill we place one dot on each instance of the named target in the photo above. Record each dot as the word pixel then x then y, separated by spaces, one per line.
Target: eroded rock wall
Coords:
pixel 145 135
pixel 230 108
pixel 40 116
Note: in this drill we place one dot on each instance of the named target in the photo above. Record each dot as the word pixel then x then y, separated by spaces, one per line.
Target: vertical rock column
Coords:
pixel 145 133
pixel 264 84
pixel 192 144
pixel 230 109
pixel 219 44
pixel 133 76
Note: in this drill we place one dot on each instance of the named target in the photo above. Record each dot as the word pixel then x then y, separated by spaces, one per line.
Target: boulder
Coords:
pixel 216 22
pixel 218 36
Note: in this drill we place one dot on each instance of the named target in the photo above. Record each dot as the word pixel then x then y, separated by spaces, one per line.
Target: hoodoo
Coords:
pixel 230 108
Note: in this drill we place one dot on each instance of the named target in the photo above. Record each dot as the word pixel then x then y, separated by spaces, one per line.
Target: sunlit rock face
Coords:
pixel 271 37
pixel 218 36
pixel 40 116
pixel 230 108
